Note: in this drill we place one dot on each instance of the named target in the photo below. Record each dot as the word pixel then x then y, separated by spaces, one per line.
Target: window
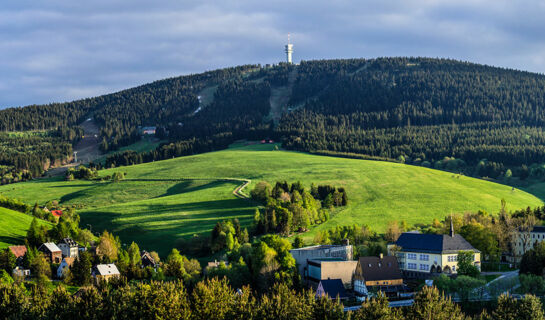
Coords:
pixel 424 267
pixel 411 256
pixel 401 255
pixel 452 258
pixel 411 266
pixel 424 257
pixel 453 268
pixel 401 265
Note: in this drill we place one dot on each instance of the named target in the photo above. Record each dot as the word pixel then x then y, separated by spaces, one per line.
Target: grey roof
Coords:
pixel 69 241
pixel 539 229
pixel 377 269
pixel 106 269
pixel 334 288
pixel 433 243
pixel 50 246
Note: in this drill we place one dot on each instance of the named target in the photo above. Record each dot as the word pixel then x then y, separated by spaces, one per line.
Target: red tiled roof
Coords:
pixel 18 251
pixel 56 213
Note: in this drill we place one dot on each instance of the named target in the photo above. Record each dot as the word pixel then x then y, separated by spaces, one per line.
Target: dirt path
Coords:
pixel 280 97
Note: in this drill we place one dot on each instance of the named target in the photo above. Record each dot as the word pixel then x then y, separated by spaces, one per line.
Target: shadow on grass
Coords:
pixel 190 186
pixel 11 240
pixel 177 221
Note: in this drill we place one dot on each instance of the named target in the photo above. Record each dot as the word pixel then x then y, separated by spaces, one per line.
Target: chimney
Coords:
pixel 451 227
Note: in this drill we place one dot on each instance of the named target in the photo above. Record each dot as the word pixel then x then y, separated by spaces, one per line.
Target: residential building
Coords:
pixel 19 252
pixel 526 240
pixel 332 268
pixel 105 272
pixel 147 260
pixel 424 255
pixel 20 272
pixel 66 263
pixel 52 253
pixel 69 248
pixel 375 274
pixel 320 252
pixel 332 288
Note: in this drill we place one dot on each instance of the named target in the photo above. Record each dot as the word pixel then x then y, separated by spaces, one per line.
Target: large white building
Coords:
pixel 423 255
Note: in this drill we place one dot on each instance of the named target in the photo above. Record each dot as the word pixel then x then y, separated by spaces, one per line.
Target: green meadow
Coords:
pixel 14 226
pixel 163 201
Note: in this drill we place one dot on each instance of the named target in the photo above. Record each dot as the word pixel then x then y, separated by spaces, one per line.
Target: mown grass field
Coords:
pixel 160 202
pixel 13 227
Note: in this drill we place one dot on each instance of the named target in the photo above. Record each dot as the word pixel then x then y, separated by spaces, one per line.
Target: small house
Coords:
pixel 147 260
pixel 20 272
pixel 377 274
pixel 69 247
pixel 52 253
pixel 332 288
pixel 67 262
pixel 56 213
pixel 105 272
pixel 19 252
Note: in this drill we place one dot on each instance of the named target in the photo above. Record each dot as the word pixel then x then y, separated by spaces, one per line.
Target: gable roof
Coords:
pixel 49 246
pixel 333 288
pixel 69 241
pixel 105 269
pixel 56 213
pixel 147 259
pixel 377 269
pixel 18 251
pixel 433 243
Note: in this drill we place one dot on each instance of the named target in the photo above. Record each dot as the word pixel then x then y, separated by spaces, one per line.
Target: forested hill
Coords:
pixel 486 120
pixel 421 111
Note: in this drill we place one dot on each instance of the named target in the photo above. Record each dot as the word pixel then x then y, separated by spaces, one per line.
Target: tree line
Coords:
pixel 215 299
pixel 291 208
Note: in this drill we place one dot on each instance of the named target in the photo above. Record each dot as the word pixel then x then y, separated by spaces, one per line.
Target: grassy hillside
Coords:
pixel 13 227
pixel 162 201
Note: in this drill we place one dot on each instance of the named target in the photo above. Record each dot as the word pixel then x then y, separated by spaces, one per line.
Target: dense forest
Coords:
pixel 446 114
pixel 26 155
pixel 419 110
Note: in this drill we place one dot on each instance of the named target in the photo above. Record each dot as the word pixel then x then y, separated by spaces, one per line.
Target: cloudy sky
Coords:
pixel 63 50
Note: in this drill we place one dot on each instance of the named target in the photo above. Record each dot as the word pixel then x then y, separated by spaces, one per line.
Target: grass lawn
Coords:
pixel 14 226
pixel 164 200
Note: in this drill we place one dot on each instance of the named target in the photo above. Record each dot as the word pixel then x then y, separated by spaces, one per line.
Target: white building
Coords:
pixel 69 248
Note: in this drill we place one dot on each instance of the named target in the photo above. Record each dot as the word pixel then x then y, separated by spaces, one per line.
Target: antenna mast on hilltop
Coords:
pixel 289 50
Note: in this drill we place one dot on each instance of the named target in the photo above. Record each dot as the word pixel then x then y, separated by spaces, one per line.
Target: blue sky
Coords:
pixel 54 51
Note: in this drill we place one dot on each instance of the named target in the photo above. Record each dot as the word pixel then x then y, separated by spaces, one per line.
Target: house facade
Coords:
pixel 330 269
pixel 105 272
pixel 69 248
pixel 66 263
pixel 52 253
pixel 373 274
pixel 320 252
pixel 426 255
pixel 526 240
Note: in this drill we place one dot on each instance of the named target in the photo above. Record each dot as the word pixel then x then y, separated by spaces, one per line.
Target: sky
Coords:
pixel 54 51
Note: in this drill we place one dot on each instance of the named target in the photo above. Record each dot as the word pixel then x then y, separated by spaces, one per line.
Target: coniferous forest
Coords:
pixel 450 115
